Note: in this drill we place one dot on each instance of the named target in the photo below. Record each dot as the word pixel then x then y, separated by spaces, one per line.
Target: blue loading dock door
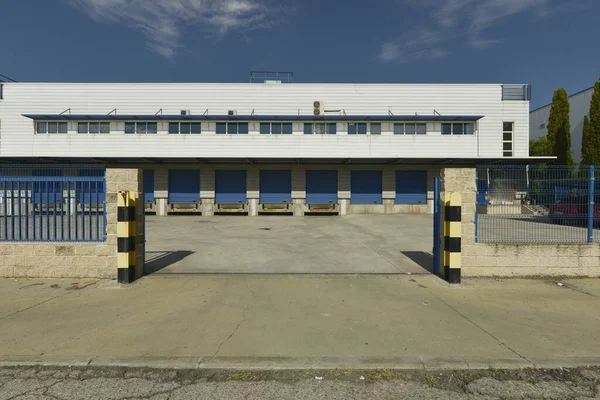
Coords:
pixel 366 187
pixel 411 187
pixel 230 187
pixel 275 186
pixel 321 187
pixel 149 186
pixel 184 186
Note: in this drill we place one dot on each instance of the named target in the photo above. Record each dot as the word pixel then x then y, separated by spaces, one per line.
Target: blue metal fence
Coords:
pixel 58 203
pixel 537 204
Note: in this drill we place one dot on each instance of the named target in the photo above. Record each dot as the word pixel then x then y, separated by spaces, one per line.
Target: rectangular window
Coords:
pixel 51 127
pixel 308 129
pixel 94 127
pixel 507 138
pixel 265 128
pixel 446 129
pixel 320 129
pixel 357 128
pixel 141 127
pixel 458 128
pixel 410 129
pixel 287 128
pixel 184 128
pixel 104 127
pixel 232 128
pixel 276 129
pixel 421 129
pixel 375 128
pixel 332 129
pixel 398 129
pixel 129 127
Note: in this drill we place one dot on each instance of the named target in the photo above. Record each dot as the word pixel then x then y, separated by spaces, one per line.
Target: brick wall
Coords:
pixel 78 260
pixel 535 259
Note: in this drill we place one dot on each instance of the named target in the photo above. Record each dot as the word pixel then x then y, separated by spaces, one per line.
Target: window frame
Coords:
pixel 46 131
pixel 463 128
pixel 414 125
pixel 137 125
pixel 511 152
pixel 282 127
pixel 229 127
pixel 180 130
pixel 88 131
pixel 326 127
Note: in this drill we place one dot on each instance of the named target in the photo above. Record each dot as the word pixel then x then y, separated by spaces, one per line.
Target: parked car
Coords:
pixel 573 210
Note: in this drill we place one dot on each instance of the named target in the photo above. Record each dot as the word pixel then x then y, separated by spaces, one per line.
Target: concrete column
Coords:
pixel 252 207
pixel 298 207
pixel 388 206
pixel 208 207
pixel 161 207
pixel 344 206
pixel 118 179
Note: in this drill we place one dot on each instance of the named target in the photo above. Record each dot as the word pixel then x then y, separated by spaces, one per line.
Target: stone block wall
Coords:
pixel 505 260
pixel 79 260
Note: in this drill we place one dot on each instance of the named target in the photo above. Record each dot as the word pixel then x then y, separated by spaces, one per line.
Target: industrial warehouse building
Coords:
pixel 269 147
pixel 580 107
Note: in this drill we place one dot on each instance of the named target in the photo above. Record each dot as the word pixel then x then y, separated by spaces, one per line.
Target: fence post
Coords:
pixel 452 238
pixel 592 184
pixel 126 237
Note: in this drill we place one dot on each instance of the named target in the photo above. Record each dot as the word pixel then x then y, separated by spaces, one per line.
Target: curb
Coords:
pixel 282 363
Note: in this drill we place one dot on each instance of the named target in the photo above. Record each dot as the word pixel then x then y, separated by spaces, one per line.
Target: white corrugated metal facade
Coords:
pixel 18 138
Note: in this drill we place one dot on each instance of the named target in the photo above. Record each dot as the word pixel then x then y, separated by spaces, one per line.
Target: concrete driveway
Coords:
pixel 355 244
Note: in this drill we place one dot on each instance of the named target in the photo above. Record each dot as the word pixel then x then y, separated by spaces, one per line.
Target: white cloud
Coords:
pixel 164 21
pixel 452 19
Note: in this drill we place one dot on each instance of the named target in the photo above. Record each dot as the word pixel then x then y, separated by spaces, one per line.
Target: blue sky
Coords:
pixel 547 43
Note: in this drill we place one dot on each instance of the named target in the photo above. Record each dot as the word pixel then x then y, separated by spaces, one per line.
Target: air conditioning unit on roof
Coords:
pixel 232 112
pixel 186 112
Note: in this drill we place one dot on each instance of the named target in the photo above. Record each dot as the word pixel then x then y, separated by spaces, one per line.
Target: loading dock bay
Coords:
pixel 353 244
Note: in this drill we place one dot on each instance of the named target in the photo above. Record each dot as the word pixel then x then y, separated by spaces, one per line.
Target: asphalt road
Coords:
pixel 117 383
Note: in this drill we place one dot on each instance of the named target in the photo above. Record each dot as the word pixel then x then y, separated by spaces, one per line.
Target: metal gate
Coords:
pixel 436 226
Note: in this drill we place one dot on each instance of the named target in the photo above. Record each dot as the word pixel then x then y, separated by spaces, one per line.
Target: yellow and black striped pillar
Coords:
pixel 126 237
pixel 452 236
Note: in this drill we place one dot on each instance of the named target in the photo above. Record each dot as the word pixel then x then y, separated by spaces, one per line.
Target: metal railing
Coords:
pixel 57 203
pixel 537 204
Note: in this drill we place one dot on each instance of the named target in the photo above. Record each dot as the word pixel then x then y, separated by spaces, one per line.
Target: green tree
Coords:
pixel 559 127
pixel 590 146
pixel 540 147
pixel 586 143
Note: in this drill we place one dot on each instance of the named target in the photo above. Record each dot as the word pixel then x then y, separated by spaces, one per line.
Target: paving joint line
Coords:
pixel 481 328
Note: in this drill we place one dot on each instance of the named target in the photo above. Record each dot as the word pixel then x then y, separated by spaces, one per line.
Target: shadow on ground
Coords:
pixel 157 260
pixel 423 259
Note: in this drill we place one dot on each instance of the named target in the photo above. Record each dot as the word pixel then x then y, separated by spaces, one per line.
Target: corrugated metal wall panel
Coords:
pixel 41 98
pixel 275 186
pixel 207 182
pixel 389 183
pixel 184 186
pixel 321 186
pixel 366 187
pixel 298 183
pixel 161 183
pixel 253 180
pixel 230 186
pixel 411 187
pixel 344 183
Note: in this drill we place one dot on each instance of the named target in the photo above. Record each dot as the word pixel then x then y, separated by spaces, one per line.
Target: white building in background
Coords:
pixel 354 147
pixel 580 107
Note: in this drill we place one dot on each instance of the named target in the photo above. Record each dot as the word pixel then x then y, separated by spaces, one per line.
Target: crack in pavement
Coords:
pixel 481 328
pixel 239 324
pixel 45 301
